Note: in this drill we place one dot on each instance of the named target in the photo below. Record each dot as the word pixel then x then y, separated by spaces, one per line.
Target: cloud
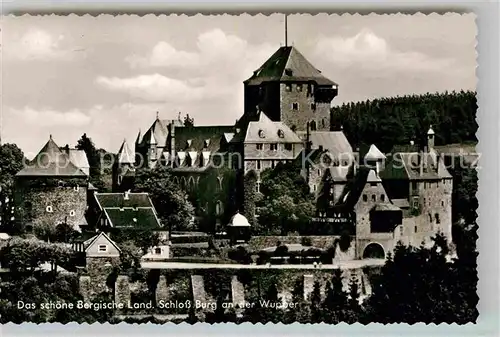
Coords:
pixel 156 87
pixel 49 117
pixel 215 52
pixel 36 44
pixel 369 51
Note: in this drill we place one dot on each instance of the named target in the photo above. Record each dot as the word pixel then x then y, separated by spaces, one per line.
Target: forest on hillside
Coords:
pixel 398 120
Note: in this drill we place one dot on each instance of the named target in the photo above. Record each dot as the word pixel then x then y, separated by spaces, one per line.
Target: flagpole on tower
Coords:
pixel 286 31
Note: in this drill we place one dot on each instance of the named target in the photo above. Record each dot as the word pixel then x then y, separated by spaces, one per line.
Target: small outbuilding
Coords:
pixel 238 229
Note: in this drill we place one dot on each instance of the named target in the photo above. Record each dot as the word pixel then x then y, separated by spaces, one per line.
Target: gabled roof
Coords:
pixel 272 132
pixel 88 244
pixel 140 218
pixel 156 134
pixel 385 206
pixel 51 162
pixel 106 200
pixel 125 154
pixel 288 64
pixel 373 177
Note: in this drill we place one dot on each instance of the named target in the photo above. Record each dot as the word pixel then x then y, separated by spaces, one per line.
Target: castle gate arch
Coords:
pixel 374 250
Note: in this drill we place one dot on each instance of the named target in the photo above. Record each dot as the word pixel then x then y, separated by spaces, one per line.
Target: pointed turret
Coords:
pixel 125 154
pixel 138 140
pixel 430 138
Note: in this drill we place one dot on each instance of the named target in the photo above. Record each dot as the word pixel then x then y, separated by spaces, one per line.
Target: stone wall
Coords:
pixel 51 205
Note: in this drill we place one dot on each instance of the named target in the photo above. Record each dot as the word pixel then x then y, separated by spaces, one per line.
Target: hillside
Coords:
pixel 397 120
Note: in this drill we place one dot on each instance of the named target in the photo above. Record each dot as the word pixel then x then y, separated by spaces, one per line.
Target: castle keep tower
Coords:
pixel 289 89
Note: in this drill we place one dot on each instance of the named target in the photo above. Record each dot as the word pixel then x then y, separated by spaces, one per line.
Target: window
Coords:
pixel 442 203
pixel 430 217
pixel 382 197
pixel 76 188
pixel 319 172
pixel 313 106
pixel 258 164
pixel 299 87
pixel 373 184
pixel 272 164
pixel 424 201
pixel 416 229
pixel 288 147
pixel 262 134
pixel 365 197
pixel 425 185
pixel 437 218
pixel 401 230
pixel 281 134
pixel 102 248
pixel 72 213
pixel 288 87
pixel 273 147
pixel 314 188
pixel 323 123
pixel 295 106
pixel 415 202
pixel 414 186
pixel 158 251
pixel 293 128
pixel 313 126
pixel 257 187
pixel 374 197
pixel 259 146
pixel 49 209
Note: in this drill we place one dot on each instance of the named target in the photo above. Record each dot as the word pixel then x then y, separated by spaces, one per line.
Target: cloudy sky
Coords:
pixel 107 76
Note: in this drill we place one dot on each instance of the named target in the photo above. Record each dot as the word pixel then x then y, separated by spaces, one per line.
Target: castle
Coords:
pixel 376 200
pixel 286 118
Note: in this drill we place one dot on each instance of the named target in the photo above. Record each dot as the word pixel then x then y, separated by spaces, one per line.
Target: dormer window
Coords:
pixel 273 146
pixel 158 251
pixel 49 209
pixel 281 134
pixel 259 146
pixel 262 134
pixel 288 72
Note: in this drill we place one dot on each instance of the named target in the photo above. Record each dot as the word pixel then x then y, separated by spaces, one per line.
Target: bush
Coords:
pixel 240 255
pixel 305 241
pixel 344 242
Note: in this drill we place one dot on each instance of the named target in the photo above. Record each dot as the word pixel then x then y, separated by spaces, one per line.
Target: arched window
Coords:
pixel 323 123
pixel 365 197
pixel 382 197
pixel 437 218
pixel 374 197
pixel 219 208
pixel 313 125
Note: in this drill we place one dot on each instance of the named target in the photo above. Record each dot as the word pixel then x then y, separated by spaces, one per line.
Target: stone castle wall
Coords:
pixel 52 205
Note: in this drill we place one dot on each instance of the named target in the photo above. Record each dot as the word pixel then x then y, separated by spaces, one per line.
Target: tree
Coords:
pixel 287 205
pixel 94 158
pixel 316 314
pixel 11 162
pixel 172 206
pixel 421 285
pixel 188 121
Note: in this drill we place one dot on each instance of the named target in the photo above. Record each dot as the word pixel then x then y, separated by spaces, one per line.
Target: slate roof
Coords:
pixel 106 200
pixel 125 154
pixel 156 133
pixel 142 218
pixel 51 162
pixel 386 206
pixel 322 158
pixel 271 131
pixel 354 188
pixel 407 166
pixel 334 141
pixel 198 135
pixel 401 203
pixel 297 66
